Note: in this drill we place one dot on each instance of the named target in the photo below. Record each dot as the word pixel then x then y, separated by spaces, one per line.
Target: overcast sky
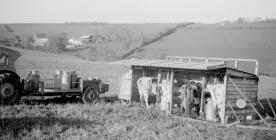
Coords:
pixel 132 11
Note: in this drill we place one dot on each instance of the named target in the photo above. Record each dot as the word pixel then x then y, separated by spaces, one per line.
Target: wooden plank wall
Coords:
pixel 125 86
pixel 249 87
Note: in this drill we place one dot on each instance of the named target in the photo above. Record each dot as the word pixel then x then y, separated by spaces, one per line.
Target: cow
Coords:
pixel 147 86
pixel 190 97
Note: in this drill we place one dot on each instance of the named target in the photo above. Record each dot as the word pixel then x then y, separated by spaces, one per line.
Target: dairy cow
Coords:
pixel 146 86
pixel 190 97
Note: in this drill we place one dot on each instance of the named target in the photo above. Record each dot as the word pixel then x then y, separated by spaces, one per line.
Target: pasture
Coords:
pixel 110 121
pixel 114 32
pixel 55 118
pixel 240 41
pixel 118 39
pixel 47 64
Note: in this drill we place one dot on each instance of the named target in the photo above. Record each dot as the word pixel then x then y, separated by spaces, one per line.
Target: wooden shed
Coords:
pixel 238 92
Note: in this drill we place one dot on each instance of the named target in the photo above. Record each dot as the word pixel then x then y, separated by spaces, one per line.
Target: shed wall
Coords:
pixel 249 87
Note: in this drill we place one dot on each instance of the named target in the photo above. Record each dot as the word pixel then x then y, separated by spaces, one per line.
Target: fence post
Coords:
pixel 256 67
pixel 202 97
pixel 171 86
pixel 236 64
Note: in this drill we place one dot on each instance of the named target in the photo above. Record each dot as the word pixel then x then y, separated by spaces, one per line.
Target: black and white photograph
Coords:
pixel 138 69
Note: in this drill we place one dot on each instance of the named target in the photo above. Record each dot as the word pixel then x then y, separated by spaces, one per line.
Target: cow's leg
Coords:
pixel 158 98
pixel 147 100
pixel 141 98
pixel 181 107
pixel 183 104
pixel 158 95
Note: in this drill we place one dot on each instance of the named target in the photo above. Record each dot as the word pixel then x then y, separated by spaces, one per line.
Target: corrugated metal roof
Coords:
pixel 171 64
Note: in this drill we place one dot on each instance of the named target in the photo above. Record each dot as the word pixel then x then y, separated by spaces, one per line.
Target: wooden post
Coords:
pixel 190 60
pixel 132 84
pixel 41 88
pixel 202 97
pixel 260 104
pixel 159 77
pixel 272 109
pixel 159 90
pixel 171 94
pixel 144 72
pixel 224 100
pixel 168 75
pixel 167 86
pixel 256 67
pixel 238 120
pixel 236 64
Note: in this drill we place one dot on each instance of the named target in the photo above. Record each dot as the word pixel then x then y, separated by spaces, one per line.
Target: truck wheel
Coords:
pixel 8 93
pixel 90 95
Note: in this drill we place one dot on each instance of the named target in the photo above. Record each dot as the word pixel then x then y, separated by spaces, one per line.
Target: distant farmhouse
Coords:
pixel 87 39
pixel 40 39
pixel 74 42
pixel 84 40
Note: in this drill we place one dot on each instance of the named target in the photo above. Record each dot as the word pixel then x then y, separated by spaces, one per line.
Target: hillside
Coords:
pixel 56 119
pixel 116 39
pixel 235 40
pixel 47 64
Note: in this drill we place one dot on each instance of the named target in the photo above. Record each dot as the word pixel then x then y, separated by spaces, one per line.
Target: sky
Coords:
pixel 133 11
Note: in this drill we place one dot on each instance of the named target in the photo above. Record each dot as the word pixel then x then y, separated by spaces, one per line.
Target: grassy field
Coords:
pixel 56 119
pixel 118 39
pixel 47 64
pixel 113 32
pixel 241 41
pixel 110 121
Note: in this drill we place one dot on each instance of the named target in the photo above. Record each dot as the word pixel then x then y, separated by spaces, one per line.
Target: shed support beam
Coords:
pixel 171 86
pixel 144 72
pixel 236 64
pixel 159 77
pixel 201 112
pixel 272 109
pixel 256 67
pixel 225 79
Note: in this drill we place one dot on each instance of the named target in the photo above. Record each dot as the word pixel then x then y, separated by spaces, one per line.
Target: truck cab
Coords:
pixel 9 80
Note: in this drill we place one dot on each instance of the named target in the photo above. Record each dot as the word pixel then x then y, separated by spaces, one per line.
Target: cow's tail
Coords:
pixel 138 83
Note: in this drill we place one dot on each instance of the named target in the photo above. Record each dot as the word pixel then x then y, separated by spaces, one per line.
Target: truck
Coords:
pixel 13 87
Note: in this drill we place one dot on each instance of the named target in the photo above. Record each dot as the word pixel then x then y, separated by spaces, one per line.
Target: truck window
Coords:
pixel 3 58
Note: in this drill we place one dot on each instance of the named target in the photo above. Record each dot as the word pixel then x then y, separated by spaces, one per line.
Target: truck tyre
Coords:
pixel 90 95
pixel 9 93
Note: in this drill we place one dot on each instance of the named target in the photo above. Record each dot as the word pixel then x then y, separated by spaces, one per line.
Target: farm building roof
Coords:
pixel 40 35
pixel 172 64
pixel 86 37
